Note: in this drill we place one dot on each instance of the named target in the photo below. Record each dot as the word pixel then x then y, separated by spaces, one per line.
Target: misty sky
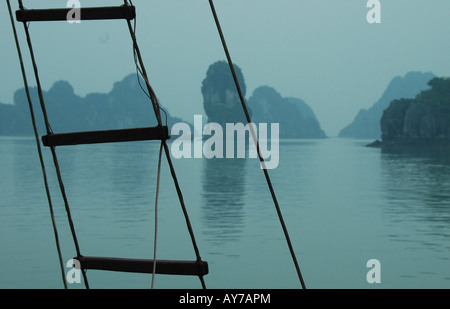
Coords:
pixel 322 51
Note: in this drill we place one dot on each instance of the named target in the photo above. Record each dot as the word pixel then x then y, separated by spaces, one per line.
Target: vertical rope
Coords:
pixel 266 173
pixel 36 135
pixel 156 214
pixel 156 109
pixel 53 151
pixel 55 159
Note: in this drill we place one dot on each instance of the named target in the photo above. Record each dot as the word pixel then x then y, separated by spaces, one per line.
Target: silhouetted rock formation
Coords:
pixel 296 118
pixel 125 106
pixel 367 122
pixel 220 97
pixel 421 120
pixel 222 105
pixel 9 124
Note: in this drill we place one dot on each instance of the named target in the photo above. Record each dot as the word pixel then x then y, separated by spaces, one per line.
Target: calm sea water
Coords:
pixel 343 204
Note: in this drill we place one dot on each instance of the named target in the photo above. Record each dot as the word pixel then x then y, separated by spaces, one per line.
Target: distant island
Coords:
pixel 296 118
pixel 221 104
pixel 220 98
pixel 125 106
pixel 366 124
pixel 420 122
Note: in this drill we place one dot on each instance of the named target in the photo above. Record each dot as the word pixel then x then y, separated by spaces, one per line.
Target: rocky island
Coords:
pixel 366 124
pixel 422 122
pixel 220 98
pixel 125 106
pixel 296 118
pixel 221 104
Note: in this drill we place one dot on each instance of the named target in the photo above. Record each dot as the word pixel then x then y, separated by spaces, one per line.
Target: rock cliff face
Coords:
pixel 367 122
pixel 423 120
pixel 220 98
pixel 222 105
pixel 296 118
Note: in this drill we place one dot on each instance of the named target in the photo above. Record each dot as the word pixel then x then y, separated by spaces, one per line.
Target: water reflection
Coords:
pixel 223 183
pixel 433 153
pixel 417 188
pixel 132 174
pixel 110 187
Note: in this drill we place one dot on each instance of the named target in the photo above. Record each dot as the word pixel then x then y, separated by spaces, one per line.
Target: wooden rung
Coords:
pixel 187 268
pixel 89 13
pixel 107 136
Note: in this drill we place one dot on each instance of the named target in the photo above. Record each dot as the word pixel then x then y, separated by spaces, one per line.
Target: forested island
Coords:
pixel 125 106
pixel 296 118
pixel 222 104
pixel 366 124
pixel 420 122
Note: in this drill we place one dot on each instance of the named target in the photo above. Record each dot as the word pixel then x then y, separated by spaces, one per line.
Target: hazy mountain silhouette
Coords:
pixel 296 118
pixel 423 120
pixel 222 104
pixel 221 100
pixel 367 122
pixel 125 106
